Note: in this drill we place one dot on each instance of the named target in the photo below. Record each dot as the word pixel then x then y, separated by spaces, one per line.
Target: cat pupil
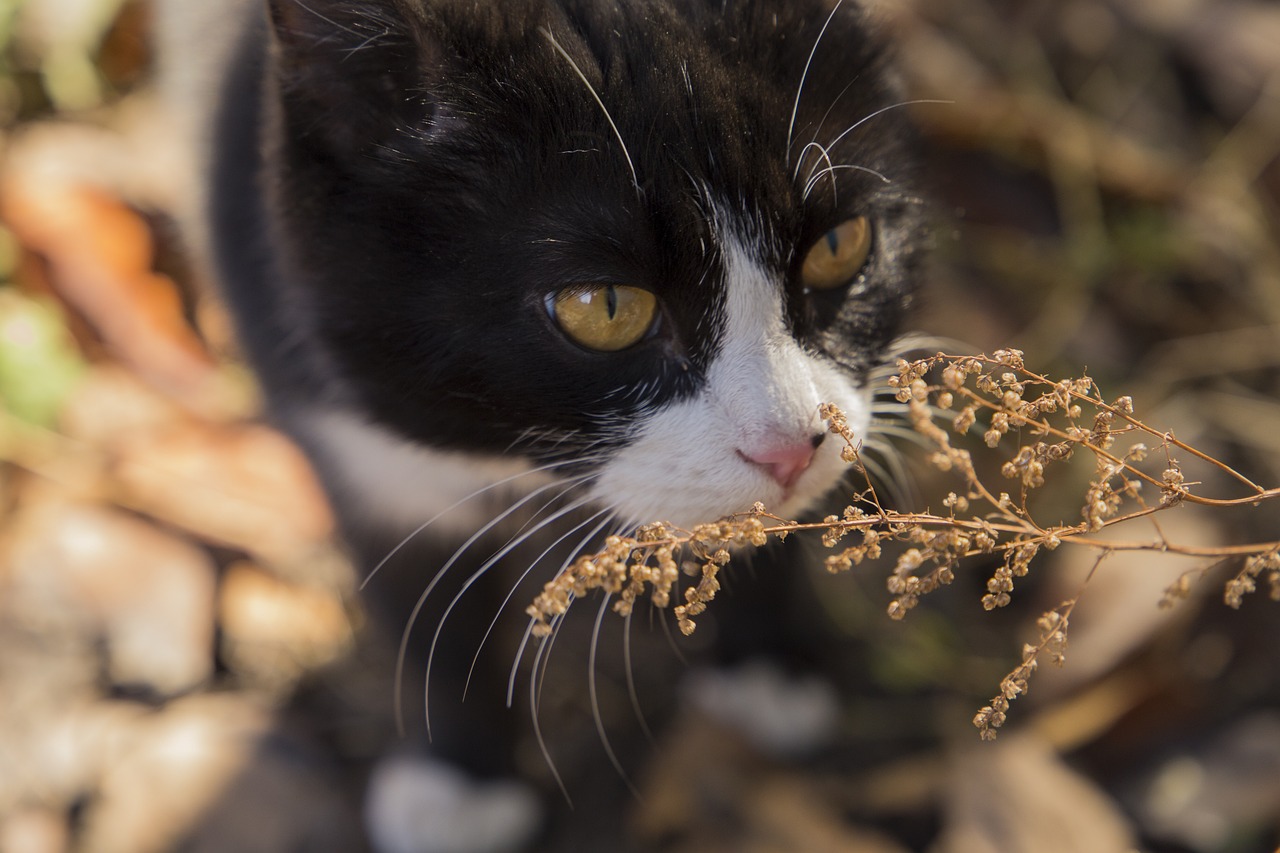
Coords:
pixel 833 241
pixel 611 301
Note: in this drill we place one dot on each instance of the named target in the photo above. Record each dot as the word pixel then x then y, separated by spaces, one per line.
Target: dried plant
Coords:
pixel 1035 424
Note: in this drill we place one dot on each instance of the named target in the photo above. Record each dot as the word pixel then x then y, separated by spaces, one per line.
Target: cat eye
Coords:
pixel 838 257
pixel 605 318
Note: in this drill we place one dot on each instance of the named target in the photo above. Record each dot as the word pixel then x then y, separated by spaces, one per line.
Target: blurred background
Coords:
pixel 1106 176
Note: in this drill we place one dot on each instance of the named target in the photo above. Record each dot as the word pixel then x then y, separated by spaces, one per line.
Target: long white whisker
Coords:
pixel 350 52
pixel 860 122
pixel 476 575
pixel 595 699
pixel 831 170
pixel 896 475
pixel 635 179
pixel 534 691
pixel 515 665
pixel 426 593
pixel 477 493
pixel 573 553
pixel 902 433
pixel 823 154
pixel 328 21
pixel 795 108
pixel 822 121
pixel 556 625
pixel 631 680
pixel 879 472
pixel 671 638
pixel 532 565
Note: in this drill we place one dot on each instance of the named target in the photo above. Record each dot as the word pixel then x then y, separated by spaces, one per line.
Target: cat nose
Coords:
pixel 785 462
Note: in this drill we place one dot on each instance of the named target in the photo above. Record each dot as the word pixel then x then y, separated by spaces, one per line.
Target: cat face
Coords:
pixel 638 241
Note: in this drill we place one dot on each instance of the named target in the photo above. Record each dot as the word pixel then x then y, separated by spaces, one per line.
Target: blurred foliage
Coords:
pixel 1107 196
pixel 39 361
pixel 55 56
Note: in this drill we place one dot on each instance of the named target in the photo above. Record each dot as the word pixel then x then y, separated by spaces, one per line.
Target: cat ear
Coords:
pixel 351 73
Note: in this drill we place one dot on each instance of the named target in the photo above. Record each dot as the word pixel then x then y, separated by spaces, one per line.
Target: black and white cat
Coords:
pixel 562 266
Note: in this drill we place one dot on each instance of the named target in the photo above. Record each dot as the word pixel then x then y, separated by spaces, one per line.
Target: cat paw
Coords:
pixel 418 805
pixel 780 713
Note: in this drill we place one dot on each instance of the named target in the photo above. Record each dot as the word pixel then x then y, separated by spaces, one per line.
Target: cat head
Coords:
pixel 644 240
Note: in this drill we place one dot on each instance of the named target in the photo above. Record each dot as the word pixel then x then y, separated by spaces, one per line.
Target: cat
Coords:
pixel 548 269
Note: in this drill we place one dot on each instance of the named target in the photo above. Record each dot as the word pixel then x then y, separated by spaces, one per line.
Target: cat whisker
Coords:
pixel 890 472
pixel 532 565
pixel 632 692
pixel 515 542
pixel 823 154
pixel 417 531
pixel 537 680
pixel 635 179
pixel 304 7
pixel 821 122
pixel 860 122
pixel 515 664
pixel 535 698
pixel 403 652
pixel 595 699
pixel 920 342
pixel 547 442
pixel 831 170
pixel 676 595
pixel 804 75
pixel 530 435
pixel 523 534
pixel 888 418
pixel 368 42
pixel 548 643
pixel 901 432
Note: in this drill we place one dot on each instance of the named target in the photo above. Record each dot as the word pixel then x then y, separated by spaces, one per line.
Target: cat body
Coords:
pixel 535 271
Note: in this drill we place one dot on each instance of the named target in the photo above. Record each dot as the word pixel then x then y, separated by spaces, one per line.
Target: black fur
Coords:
pixel 432 171
pixel 399 185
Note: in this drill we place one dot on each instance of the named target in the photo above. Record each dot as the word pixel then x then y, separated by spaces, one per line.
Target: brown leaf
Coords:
pixel 99 254
pixel 245 486
pixel 1017 794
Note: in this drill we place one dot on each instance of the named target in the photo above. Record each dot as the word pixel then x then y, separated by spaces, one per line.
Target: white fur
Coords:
pixel 416 805
pixel 781 714
pixel 684 465
pixel 409 484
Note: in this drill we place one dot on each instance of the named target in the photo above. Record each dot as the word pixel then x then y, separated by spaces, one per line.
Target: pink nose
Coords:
pixel 785 463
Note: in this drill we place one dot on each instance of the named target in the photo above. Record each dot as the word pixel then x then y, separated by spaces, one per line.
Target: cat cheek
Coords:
pixel 684 465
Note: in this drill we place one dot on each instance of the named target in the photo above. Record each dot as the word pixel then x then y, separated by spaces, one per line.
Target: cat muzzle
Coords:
pixel 785 463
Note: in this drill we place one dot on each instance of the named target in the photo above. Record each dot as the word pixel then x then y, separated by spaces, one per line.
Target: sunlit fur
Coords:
pixel 401 187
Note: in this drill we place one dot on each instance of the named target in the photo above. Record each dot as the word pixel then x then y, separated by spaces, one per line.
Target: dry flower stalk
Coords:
pixel 1036 424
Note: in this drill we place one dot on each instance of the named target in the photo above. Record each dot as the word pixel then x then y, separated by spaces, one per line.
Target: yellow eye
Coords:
pixel 838 257
pixel 605 317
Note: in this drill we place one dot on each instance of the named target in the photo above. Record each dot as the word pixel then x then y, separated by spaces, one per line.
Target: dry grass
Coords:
pixel 1034 425
pixel 1107 187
